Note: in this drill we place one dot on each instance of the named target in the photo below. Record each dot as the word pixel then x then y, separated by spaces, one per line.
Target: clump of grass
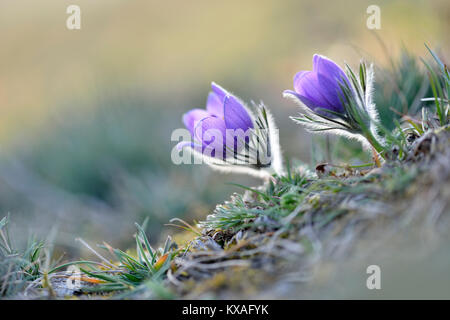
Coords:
pixel 139 273
pixel 440 85
pixel 124 273
pixel 400 89
pixel 17 267
pixel 272 202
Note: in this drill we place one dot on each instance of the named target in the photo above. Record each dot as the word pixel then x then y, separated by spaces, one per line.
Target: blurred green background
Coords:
pixel 86 115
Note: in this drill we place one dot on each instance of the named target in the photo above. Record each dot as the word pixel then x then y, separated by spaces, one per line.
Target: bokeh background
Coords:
pixel 86 115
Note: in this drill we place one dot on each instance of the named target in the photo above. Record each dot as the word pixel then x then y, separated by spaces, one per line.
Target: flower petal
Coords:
pixel 214 105
pixel 206 124
pixel 332 93
pixel 191 118
pixel 207 131
pixel 306 84
pixel 298 78
pixel 307 102
pixel 219 91
pixel 327 68
pixel 235 114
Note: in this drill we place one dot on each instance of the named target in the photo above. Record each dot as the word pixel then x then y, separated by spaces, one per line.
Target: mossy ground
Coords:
pixel 287 236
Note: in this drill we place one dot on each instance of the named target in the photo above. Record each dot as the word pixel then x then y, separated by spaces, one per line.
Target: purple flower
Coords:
pixel 224 113
pixel 319 89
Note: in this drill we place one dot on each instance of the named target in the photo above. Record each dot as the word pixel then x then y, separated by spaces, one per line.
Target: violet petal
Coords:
pixel 306 84
pixel 192 117
pixel 209 123
pixel 214 105
pixel 327 68
pixel 235 114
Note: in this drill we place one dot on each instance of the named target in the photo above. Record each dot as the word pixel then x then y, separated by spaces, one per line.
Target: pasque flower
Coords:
pixel 320 89
pixel 224 115
pixel 334 101
pixel 229 136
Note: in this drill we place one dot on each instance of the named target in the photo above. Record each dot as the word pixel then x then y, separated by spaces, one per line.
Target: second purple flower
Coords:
pixel 320 89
